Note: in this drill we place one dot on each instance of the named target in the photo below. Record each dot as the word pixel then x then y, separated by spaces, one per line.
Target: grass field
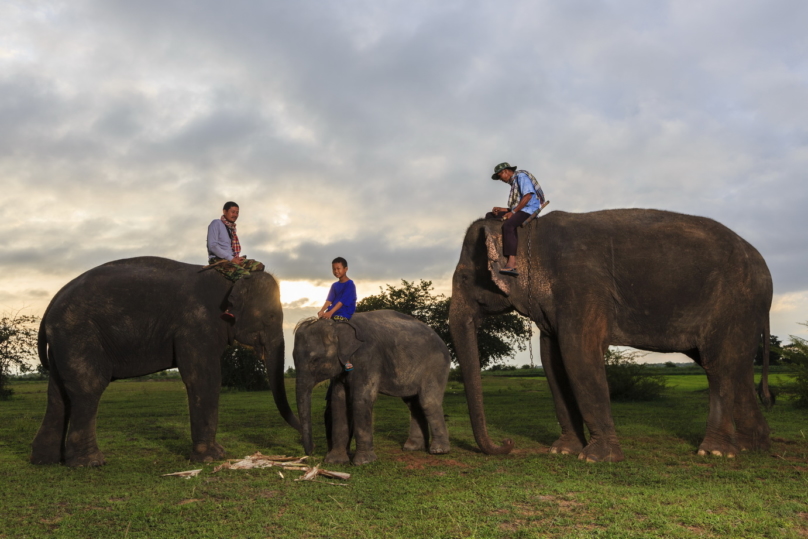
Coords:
pixel 663 489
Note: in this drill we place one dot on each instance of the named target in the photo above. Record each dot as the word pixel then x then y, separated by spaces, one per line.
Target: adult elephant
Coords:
pixel 138 316
pixel 653 280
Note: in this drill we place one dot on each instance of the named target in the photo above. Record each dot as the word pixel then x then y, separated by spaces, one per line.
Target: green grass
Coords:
pixel 663 489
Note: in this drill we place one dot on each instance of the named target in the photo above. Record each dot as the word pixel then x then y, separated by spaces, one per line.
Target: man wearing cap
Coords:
pixel 526 198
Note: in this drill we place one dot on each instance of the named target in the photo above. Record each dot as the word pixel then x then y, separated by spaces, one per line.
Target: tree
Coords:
pixel 499 337
pixel 775 351
pixel 18 337
pixel 629 380
pixel 242 369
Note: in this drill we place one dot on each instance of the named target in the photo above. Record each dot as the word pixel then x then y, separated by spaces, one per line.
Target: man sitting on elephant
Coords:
pixel 224 250
pixel 525 199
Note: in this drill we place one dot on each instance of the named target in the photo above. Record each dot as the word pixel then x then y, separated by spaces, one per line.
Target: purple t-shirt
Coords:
pixel 345 293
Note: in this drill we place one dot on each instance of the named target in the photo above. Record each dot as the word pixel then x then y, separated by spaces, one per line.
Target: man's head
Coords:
pixel 230 211
pixel 503 171
pixel 339 267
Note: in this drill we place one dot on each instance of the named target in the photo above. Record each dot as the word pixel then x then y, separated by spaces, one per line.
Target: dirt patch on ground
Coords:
pixel 418 461
pixel 536 450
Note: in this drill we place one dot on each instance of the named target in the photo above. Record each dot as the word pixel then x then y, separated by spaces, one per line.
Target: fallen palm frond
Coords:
pixel 186 475
pixel 258 460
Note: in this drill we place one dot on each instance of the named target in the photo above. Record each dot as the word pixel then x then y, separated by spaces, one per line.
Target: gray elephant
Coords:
pixel 393 354
pixel 138 316
pixel 653 280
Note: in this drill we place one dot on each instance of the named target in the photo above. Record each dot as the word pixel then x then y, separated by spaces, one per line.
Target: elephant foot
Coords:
pixel 567 445
pixel 414 445
pixel 207 452
pixel 363 457
pixel 40 456
pixel 717 448
pixel 337 457
pixel 602 450
pixel 91 460
pixel 752 441
pixel 439 448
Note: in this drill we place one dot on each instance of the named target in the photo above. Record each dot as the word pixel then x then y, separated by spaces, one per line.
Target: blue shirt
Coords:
pixel 345 293
pixel 526 187
pixel 219 241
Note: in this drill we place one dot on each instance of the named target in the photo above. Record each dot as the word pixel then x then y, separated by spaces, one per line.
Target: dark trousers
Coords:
pixel 509 238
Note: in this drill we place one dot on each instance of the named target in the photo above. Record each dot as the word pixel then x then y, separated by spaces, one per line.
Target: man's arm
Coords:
pixel 522 204
pixel 330 312
pixel 321 312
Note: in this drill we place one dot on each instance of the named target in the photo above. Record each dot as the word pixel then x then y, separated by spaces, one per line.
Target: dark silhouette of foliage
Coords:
pixel 775 351
pixel 797 354
pixel 242 369
pixel 629 380
pixel 499 337
pixel 18 336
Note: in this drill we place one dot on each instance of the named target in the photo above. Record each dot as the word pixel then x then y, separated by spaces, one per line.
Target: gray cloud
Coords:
pixel 369 131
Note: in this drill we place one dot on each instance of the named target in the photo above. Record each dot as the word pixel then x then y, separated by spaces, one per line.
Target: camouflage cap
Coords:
pixel 499 168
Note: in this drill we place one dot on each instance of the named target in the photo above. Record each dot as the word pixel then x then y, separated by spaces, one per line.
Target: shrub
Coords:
pixel 797 354
pixel 17 348
pixel 243 370
pixel 629 380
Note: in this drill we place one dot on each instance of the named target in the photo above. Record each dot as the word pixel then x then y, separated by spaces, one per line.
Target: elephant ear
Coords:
pixel 493 247
pixel 348 340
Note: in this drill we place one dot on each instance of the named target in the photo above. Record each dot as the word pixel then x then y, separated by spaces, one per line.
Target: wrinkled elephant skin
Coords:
pixel 393 354
pixel 653 280
pixel 138 316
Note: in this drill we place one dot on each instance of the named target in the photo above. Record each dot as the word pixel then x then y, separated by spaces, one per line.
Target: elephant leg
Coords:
pixel 751 428
pixel 718 358
pixel 362 401
pixel 431 400
pixel 203 382
pixel 340 427
pixel 572 440
pixel 48 445
pixel 81 445
pixel 582 346
pixel 419 427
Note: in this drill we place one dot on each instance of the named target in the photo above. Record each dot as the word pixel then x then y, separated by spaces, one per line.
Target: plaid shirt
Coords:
pixel 515 196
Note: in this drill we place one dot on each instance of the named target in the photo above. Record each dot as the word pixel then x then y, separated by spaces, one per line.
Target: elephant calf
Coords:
pixel 392 354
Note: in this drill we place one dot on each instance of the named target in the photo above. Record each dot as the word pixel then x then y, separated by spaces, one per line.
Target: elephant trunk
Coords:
pixel 274 358
pixel 304 388
pixel 463 324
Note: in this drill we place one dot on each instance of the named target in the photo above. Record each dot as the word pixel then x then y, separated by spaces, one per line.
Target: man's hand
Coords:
pixel 507 216
pixel 237 259
pixel 499 211
pixel 328 314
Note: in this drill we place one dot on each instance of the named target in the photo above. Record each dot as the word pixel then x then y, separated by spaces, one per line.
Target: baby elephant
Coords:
pixel 391 353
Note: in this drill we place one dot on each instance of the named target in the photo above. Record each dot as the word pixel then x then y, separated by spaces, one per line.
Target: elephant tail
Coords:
pixel 42 344
pixel 763 388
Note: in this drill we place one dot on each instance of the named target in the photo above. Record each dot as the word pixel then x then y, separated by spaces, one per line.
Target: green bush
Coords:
pixel 243 370
pixel 797 354
pixel 629 380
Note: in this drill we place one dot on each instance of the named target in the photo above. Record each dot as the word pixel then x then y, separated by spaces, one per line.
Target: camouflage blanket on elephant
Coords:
pixel 234 272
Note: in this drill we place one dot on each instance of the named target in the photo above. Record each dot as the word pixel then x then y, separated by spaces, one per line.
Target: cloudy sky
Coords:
pixel 369 130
